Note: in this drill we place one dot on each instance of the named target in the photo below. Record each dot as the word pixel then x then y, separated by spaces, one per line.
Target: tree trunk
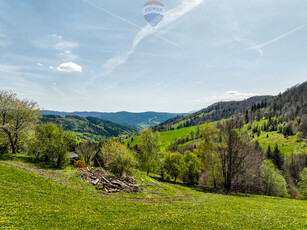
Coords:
pixel 147 171
pixel 12 145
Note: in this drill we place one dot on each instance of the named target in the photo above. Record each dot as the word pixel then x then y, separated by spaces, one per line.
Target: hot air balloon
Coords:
pixel 153 12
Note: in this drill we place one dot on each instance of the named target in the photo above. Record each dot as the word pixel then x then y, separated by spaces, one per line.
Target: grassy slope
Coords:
pixel 286 145
pixel 169 137
pixel 32 201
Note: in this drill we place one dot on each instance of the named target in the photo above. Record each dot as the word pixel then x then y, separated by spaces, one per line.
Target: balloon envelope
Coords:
pixel 153 12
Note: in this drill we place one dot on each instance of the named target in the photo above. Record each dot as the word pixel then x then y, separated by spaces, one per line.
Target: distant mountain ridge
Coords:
pixel 137 120
pixel 89 128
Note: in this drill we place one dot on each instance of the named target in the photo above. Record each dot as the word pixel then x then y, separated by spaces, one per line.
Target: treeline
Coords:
pixel 288 106
pixel 215 112
pixel 287 113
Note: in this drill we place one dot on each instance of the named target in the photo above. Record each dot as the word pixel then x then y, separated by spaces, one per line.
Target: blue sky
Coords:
pixel 101 55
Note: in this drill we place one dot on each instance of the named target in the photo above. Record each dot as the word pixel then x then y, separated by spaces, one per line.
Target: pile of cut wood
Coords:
pixel 110 183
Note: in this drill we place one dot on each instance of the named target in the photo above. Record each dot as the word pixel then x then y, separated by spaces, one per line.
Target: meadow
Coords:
pixel 33 197
pixel 285 145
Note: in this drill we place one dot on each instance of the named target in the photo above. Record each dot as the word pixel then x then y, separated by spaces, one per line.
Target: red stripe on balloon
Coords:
pixel 153 3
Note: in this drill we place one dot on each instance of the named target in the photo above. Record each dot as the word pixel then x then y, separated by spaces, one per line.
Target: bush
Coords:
pixel 117 158
pixel 274 184
pixel 173 164
pixel 190 167
pixel 303 183
pixel 80 164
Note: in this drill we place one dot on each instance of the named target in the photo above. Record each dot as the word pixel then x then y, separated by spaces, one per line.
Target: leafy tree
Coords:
pixel 207 151
pixel 149 146
pixel 191 167
pixel 274 184
pixel 17 119
pixel 173 164
pixel 116 157
pixel 87 150
pixel 50 144
pixel 303 183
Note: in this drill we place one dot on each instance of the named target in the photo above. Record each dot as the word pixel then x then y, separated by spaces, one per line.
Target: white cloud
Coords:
pixel 69 67
pixel 68 56
pixel 57 36
pixel 66 45
pixel 39 64
pixel 169 17
pixel 51 67
pixel 228 96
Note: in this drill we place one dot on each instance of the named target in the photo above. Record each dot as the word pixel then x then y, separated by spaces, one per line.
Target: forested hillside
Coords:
pixel 90 128
pixel 290 105
pixel 137 120
pixel 215 112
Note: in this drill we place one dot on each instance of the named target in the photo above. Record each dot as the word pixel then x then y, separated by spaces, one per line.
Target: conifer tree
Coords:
pixel 269 152
pixel 278 158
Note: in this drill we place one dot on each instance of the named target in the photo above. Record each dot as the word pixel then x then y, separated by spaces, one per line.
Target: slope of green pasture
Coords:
pixel 285 145
pixel 169 137
pixel 31 201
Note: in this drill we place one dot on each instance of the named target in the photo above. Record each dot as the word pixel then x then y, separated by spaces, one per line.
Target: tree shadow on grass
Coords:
pixel 29 159
pixel 205 189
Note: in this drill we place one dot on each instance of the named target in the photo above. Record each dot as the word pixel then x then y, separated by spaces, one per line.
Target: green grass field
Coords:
pixel 169 137
pixel 38 198
pixel 286 145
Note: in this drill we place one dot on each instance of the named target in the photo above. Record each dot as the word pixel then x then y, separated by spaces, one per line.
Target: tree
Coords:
pixel 239 160
pixel 173 164
pixel 278 158
pixel 269 152
pixel 87 150
pixel 50 144
pixel 303 183
pixel 149 146
pixel 17 118
pixel 207 151
pixel 191 167
pixel 274 184
pixel 116 157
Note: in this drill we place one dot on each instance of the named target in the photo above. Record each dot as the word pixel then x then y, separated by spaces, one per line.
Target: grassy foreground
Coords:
pixel 34 198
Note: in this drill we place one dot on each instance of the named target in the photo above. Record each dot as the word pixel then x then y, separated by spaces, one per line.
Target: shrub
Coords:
pixel 117 158
pixel 80 164
pixel 274 184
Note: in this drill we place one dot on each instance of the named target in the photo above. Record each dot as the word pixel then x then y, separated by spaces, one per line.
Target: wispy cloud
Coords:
pixel 258 47
pixel 64 45
pixel 185 7
pixel 69 67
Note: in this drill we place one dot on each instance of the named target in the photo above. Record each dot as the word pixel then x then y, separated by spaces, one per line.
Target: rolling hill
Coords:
pixel 137 120
pixel 89 128
pixel 215 112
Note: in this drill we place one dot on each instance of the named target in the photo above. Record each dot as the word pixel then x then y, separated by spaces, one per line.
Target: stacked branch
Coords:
pixel 110 183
